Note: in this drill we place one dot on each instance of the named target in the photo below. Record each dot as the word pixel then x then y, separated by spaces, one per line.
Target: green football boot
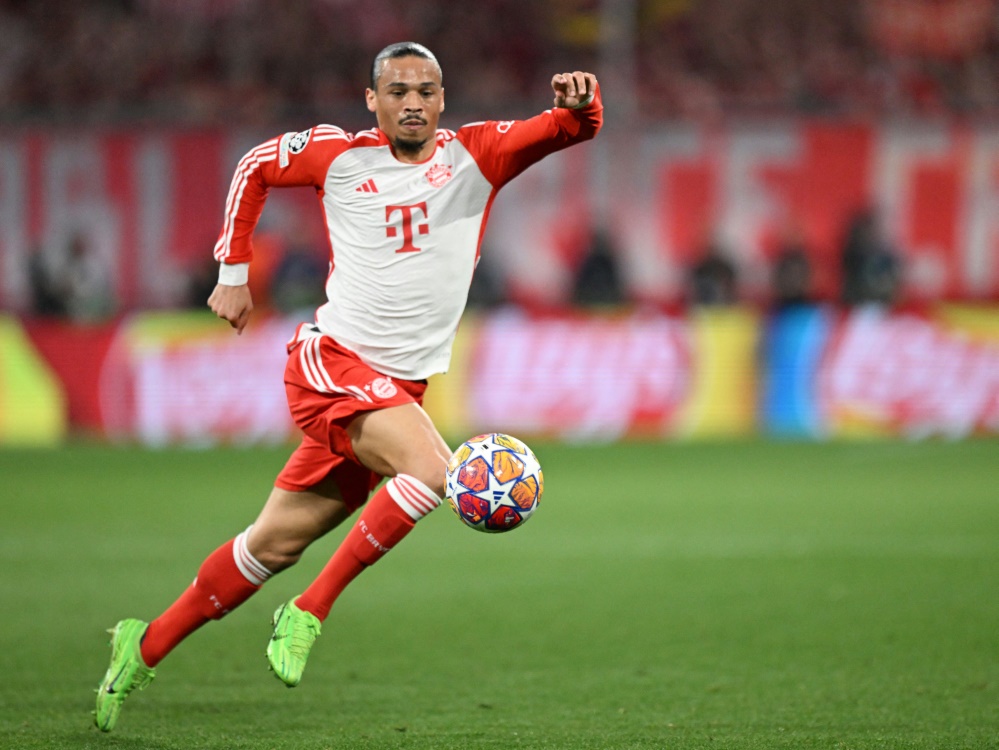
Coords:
pixel 294 633
pixel 127 672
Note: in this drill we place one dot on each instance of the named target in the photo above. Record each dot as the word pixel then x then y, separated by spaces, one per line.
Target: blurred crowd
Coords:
pixel 869 271
pixel 72 282
pixel 208 62
pixel 268 61
pixel 852 57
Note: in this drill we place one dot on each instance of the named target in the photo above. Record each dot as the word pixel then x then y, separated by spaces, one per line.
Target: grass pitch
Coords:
pixel 743 595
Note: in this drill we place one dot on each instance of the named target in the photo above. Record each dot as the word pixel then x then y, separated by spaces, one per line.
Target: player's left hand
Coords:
pixel 573 89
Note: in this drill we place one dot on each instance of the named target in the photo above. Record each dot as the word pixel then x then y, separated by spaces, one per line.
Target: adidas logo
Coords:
pixel 367 187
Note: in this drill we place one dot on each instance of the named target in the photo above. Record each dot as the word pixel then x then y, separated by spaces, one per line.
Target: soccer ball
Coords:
pixel 494 482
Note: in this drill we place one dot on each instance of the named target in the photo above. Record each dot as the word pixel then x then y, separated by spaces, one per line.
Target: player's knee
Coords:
pixel 432 473
pixel 279 557
pixel 276 552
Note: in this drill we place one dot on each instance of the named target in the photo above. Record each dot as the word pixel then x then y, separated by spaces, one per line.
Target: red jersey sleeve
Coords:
pixel 504 149
pixel 292 160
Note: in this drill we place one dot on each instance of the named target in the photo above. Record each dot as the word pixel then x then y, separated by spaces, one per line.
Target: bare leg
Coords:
pixel 291 521
pixel 401 440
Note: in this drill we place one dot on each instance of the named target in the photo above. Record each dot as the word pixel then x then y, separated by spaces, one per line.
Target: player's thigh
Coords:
pixel 401 440
pixel 290 521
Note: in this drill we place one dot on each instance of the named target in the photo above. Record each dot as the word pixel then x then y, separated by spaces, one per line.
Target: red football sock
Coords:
pixel 389 515
pixel 227 578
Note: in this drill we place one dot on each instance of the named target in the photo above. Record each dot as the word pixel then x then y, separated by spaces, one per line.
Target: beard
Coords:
pixel 410 148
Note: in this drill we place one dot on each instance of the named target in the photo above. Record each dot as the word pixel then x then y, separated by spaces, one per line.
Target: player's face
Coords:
pixel 408 104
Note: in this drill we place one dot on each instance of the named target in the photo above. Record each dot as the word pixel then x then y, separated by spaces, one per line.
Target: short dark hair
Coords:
pixel 401 49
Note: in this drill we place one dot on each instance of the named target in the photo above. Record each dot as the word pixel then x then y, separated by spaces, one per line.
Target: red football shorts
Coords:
pixel 328 386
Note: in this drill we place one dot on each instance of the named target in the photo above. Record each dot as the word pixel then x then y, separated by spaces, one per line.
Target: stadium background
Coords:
pixel 790 225
pixel 782 270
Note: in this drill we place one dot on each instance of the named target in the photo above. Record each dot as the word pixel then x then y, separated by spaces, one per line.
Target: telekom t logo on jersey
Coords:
pixel 408 220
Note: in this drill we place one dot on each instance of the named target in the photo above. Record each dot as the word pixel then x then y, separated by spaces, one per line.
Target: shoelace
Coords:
pixel 302 639
pixel 143 677
pixel 303 635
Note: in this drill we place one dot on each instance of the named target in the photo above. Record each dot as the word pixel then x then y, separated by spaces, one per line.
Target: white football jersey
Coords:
pixel 404 238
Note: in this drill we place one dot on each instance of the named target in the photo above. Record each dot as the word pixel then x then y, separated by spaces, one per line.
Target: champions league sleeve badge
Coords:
pixel 293 143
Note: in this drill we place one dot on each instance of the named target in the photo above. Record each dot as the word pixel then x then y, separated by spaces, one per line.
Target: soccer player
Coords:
pixel 405 206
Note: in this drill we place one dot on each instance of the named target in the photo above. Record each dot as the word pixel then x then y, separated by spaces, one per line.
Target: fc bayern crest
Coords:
pixel 439 175
pixel 383 388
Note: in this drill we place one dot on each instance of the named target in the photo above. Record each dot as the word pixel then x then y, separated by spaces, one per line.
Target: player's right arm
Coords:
pixel 292 160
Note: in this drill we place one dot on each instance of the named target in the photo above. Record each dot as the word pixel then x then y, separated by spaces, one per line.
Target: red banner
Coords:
pixel 666 194
pixel 147 207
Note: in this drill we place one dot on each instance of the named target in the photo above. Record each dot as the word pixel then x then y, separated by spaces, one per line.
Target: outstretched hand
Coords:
pixel 573 89
pixel 233 304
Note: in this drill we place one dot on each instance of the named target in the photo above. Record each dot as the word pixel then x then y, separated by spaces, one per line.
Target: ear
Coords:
pixel 442 101
pixel 370 98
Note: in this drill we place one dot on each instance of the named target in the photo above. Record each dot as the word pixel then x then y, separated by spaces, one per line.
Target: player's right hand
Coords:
pixel 233 304
pixel 573 89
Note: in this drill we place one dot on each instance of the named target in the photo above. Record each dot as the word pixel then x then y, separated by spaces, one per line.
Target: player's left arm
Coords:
pixel 505 149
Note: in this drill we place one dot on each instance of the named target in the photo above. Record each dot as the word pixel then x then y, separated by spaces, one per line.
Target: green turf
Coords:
pixel 745 595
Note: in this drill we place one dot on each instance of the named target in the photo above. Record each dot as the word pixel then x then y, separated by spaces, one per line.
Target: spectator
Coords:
pixel 792 274
pixel 488 288
pixel 598 278
pixel 201 281
pixel 203 62
pixel 86 283
pixel 47 299
pixel 712 279
pixel 71 280
pixel 297 281
pixel 870 264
